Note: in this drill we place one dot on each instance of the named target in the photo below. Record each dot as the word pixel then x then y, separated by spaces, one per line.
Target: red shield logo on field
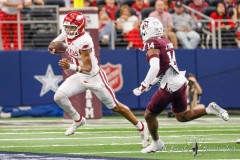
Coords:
pixel 114 75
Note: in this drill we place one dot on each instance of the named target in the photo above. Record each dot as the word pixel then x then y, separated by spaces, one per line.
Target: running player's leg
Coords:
pixel 107 96
pixel 179 107
pixel 158 103
pixel 71 86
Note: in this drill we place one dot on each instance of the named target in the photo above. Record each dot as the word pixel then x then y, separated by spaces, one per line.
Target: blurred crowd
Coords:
pixel 120 20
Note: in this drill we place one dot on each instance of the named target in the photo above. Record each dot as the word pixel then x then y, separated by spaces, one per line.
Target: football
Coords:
pixel 57 47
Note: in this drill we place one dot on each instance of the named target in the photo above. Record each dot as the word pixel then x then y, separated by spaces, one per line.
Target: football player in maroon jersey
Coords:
pixel 163 69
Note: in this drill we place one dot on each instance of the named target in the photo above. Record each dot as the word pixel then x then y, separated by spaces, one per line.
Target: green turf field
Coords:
pixel 115 137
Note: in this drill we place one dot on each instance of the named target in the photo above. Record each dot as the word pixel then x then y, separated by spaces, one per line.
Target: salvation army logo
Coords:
pixel 114 75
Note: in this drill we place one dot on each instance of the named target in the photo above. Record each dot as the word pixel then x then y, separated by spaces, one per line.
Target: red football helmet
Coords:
pixel 74 24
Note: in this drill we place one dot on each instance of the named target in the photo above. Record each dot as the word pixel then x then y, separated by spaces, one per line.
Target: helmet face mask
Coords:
pixel 74 24
pixel 71 29
pixel 151 27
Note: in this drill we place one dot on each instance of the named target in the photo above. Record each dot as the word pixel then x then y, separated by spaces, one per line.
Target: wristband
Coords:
pixel 73 67
pixel 78 69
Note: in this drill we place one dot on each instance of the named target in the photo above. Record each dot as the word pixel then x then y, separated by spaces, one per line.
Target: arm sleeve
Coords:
pixel 153 71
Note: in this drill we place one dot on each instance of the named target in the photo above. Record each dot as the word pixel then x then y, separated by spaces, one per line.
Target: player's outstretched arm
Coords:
pixel 152 72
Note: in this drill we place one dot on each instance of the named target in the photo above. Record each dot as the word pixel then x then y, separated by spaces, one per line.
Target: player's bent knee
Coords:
pixel 117 108
pixel 149 116
pixel 59 96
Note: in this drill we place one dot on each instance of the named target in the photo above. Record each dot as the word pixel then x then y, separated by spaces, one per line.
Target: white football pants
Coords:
pixel 98 85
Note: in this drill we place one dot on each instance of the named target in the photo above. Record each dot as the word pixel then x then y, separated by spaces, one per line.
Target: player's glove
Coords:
pixel 138 91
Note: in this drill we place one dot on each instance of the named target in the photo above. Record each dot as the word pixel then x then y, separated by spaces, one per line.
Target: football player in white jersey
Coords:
pixel 163 69
pixel 88 75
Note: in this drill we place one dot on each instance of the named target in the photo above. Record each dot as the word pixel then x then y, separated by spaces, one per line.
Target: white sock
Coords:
pixel 208 110
pixel 139 125
pixel 76 116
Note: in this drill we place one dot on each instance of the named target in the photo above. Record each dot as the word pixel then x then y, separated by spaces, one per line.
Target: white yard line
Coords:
pixel 61 133
pixel 47 126
pixel 110 144
pixel 82 128
pixel 111 137
pixel 164 121
pixel 165 151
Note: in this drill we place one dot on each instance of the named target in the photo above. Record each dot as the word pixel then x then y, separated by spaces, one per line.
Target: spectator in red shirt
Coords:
pixel 129 24
pixel 236 17
pixel 227 28
pixel 139 5
pixel 111 8
pixel 219 15
pixel 198 5
pixel 94 3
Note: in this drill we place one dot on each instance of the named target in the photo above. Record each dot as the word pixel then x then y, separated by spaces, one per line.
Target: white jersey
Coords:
pixel 81 42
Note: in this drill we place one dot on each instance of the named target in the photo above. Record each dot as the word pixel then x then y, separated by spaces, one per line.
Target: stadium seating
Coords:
pixel 152 3
pixel 101 2
pixel 43 14
pixel 213 2
pixel 60 3
pixel 38 35
pixel 42 40
pixel 186 2
pixel 208 10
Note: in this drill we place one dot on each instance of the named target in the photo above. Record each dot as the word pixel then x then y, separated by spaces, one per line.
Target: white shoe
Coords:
pixel 144 135
pixel 155 146
pixel 74 126
pixel 215 109
pixel 238 141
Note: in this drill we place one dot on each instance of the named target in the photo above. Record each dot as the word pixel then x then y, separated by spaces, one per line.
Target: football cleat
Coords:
pixel 154 147
pixel 215 109
pixel 74 126
pixel 144 135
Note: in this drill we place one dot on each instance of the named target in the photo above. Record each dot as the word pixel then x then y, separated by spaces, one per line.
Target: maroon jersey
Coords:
pixel 173 82
pixel 166 54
